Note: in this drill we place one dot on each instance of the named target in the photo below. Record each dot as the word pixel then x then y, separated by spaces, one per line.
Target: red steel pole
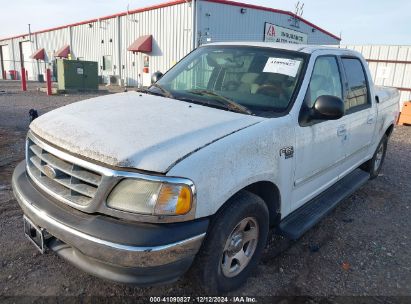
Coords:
pixel 23 80
pixel 48 80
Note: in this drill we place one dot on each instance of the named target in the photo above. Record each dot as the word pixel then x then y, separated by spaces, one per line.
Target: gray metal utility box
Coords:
pixel 77 75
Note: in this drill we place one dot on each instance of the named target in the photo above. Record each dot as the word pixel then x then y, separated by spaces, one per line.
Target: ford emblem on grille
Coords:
pixel 49 171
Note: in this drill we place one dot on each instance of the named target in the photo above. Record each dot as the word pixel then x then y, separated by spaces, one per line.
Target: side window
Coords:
pixel 195 76
pixel 357 84
pixel 325 80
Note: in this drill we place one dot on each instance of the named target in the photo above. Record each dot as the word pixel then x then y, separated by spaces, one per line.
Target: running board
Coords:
pixel 298 222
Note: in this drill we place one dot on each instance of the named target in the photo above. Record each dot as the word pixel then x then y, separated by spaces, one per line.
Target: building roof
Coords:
pixel 175 2
pixel 268 9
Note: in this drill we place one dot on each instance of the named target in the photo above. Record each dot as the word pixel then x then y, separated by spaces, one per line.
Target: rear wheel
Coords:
pixel 374 165
pixel 234 243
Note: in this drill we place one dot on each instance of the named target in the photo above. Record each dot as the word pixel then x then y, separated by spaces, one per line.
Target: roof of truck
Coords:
pixel 304 48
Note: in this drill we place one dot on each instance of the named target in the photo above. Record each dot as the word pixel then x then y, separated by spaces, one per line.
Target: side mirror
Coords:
pixel 156 76
pixel 328 107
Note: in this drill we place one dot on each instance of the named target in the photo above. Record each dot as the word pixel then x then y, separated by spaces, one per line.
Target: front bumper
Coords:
pixel 139 253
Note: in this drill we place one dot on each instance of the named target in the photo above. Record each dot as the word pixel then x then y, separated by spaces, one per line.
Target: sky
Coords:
pixel 358 22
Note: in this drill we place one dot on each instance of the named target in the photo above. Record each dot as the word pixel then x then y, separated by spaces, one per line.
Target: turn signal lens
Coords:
pixel 173 199
pixel 184 201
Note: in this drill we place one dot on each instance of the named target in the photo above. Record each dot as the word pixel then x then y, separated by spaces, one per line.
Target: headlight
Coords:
pixel 152 198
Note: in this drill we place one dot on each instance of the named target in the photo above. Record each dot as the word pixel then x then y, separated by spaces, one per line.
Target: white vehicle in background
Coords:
pixel 236 138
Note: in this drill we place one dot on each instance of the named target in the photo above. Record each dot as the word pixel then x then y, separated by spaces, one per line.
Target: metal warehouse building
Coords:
pixel 390 65
pixel 130 46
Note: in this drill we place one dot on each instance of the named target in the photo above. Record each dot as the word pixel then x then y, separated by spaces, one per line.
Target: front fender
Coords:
pixel 230 164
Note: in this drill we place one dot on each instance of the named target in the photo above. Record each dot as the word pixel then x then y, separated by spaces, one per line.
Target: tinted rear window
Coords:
pixel 357 83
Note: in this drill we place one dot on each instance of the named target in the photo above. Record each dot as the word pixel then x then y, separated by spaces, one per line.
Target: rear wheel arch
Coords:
pixel 389 130
pixel 373 166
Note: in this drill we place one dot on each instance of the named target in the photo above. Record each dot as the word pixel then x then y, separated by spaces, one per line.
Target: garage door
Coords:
pixel 7 60
pixel 29 64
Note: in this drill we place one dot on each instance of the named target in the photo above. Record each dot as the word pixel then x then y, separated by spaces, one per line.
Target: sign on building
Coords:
pixel 275 33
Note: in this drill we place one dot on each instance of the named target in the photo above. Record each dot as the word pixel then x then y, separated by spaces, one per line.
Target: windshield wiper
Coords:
pixel 225 101
pixel 163 90
pixel 145 91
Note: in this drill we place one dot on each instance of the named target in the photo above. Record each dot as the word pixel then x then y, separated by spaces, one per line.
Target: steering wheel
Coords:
pixel 269 89
pixel 231 85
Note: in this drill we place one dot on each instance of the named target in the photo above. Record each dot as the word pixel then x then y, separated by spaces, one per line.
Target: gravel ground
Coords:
pixel 362 248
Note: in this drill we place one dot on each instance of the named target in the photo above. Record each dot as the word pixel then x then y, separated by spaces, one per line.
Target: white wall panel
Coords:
pixel 220 22
pixel 172 39
pixel 27 47
pixel 94 40
pixel 52 41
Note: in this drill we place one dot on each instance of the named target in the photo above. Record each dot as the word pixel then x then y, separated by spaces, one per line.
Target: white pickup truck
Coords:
pixel 233 140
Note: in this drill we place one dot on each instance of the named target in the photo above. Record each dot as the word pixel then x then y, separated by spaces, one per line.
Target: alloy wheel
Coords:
pixel 240 247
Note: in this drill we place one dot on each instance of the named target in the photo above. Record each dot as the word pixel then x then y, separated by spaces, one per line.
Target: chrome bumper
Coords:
pixel 123 255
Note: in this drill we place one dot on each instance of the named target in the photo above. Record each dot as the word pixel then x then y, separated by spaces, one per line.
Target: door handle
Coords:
pixel 370 120
pixel 341 131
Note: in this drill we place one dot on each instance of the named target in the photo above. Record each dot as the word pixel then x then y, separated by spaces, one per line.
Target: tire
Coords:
pixel 374 165
pixel 223 265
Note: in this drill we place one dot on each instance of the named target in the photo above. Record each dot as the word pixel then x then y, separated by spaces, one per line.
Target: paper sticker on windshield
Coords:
pixel 283 66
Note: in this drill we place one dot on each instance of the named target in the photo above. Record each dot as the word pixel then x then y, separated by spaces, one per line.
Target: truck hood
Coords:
pixel 135 130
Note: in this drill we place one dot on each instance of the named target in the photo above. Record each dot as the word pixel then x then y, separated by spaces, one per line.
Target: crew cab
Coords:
pixel 233 140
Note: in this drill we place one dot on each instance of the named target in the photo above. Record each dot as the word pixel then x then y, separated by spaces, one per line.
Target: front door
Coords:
pixel 320 145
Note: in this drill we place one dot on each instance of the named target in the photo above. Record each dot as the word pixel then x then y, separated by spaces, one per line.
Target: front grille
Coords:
pixel 66 180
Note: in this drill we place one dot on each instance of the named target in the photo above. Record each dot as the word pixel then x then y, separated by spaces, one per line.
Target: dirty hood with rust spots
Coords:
pixel 134 130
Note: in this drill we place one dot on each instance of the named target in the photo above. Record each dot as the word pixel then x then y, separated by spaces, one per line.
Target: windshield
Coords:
pixel 242 79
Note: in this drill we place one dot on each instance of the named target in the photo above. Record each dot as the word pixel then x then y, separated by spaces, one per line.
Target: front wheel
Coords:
pixel 234 243
pixel 374 165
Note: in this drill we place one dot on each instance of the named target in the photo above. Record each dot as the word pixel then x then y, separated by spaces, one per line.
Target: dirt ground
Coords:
pixel 362 248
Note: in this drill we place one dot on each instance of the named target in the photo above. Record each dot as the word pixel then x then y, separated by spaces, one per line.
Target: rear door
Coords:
pixel 360 110
pixel 320 145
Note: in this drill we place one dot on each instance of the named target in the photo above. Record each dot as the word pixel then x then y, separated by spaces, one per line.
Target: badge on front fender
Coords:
pixel 288 152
